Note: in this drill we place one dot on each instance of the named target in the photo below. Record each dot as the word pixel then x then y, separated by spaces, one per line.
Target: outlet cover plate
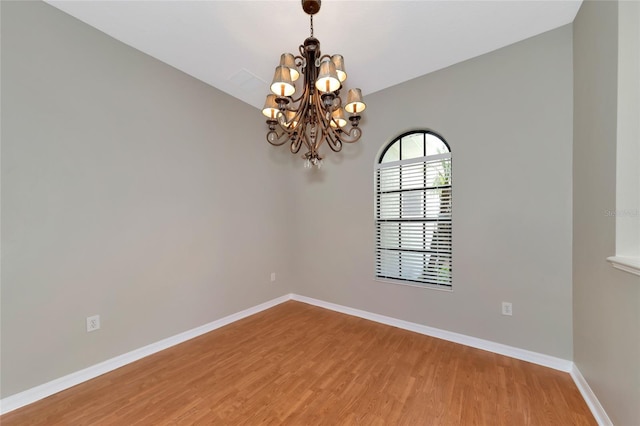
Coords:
pixel 93 323
pixel 507 308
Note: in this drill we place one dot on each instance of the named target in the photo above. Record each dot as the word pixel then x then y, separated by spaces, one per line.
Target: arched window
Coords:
pixel 413 210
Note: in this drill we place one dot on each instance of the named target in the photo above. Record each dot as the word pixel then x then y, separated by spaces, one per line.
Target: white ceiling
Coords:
pixel 235 45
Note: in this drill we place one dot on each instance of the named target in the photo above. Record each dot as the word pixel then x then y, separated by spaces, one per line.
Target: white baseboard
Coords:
pixel 37 393
pixel 510 351
pixel 29 396
pixel 590 398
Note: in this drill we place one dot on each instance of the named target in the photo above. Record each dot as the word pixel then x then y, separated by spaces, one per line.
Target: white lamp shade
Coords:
pixel 288 60
pixel 270 108
pixel 337 118
pixel 290 119
pixel 328 78
pixel 338 61
pixel 282 84
pixel 354 102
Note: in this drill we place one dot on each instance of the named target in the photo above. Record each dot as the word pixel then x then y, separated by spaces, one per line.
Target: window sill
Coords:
pixel 627 264
pixel 411 284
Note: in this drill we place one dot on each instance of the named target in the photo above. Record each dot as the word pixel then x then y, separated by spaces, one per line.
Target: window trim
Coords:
pixel 409 283
pixel 627 227
pixel 407 133
pixel 378 165
pixel 627 264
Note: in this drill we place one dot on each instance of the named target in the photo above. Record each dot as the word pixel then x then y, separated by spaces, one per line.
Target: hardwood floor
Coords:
pixel 298 364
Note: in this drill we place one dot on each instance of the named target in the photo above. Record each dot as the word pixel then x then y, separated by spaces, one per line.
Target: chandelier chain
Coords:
pixel 311 19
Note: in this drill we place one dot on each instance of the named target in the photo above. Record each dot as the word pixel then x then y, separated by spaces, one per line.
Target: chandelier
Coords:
pixel 317 114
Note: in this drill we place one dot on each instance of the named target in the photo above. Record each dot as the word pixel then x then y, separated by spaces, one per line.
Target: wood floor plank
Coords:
pixel 297 364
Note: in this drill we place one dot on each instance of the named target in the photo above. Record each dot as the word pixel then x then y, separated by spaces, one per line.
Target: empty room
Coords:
pixel 320 213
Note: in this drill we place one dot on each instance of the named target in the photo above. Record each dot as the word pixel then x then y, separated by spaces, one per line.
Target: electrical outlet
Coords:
pixel 93 323
pixel 507 309
pixel 273 276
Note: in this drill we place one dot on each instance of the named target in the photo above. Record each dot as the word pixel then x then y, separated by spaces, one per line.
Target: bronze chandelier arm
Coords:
pixel 335 141
pixel 293 101
pixel 278 139
pixel 334 144
pixel 323 122
pixel 282 122
pixel 296 143
pixel 303 61
pixel 353 135
pixel 301 111
pixel 329 134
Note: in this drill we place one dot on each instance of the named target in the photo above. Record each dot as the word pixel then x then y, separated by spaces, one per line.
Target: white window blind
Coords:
pixel 413 220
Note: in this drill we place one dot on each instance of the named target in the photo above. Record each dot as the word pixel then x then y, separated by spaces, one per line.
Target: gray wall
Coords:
pixel 606 301
pixel 133 191
pixel 129 190
pixel 507 116
pixel 628 131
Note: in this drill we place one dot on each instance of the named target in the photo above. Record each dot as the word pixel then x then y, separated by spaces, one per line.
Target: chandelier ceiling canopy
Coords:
pixel 313 113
